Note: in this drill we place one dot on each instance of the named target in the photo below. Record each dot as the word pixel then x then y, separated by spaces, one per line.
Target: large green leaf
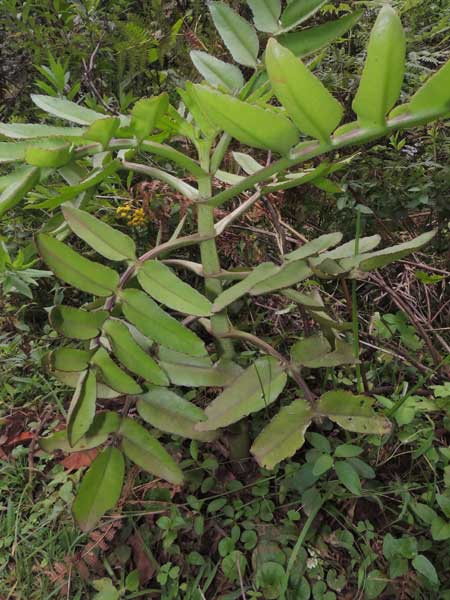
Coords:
pixel 315 246
pixel 193 372
pixel 113 375
pixel 160 282
pixel 82 407
pixel 298 11
pixel 71 379
pixel 65 109
pixel 17 189
pixel 315 352
pixel 12 151
pixel 312 108
pixel 76 270
pixel 266 14
pixel 144 450
pixel 102 131
pixel 103 238
pixel 131 355
pixel 383 72
pixel 70 359
pixel 287 275
pixel 216 72
pixel 146 113
pixel 169 412
pixel 284 435
pixel 248 123
pixel 354 413
pixel 256 388
pixel 233 293
pixel 153 322
pixel 239 36
pixel 76 323
pixel 434 95
pixel 51 156
pixel 100 488
pixel 24 131
pixel 306 41
pixel 365 244
pixel 103 425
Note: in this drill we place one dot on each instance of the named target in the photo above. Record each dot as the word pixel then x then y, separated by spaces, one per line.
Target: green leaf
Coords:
pixel 238 35
pixel 347 451
pixel 347 250
pixel 440 529
pixel 323 464
pixel 306 41
pixel 216 72
pixel 100 488
pixel 76 270
pixel 102 426
pixel 444 504
pixel 103 238
pixel 169 412
pixel 20 131
pixel 102 131
pixel 375 584
pixel 146 113
pixel 82 407
pixel 153 322
pixel 131 355
pixel 298 11
pixel 283 436
pixel 76 323
pixel 260 273
pixel 247 163
pixel 248 123
pixel 144 450
pixel 160 282
pixel 315 352
pixel 353 413
pixel 382 77
pixel 423 566
pixel 266 14
pixel 191 374
pixel 53 157
pixel 315 246
pixel 310 105
pixel 113 375
pixel 71 379
pixel 256 388
pixel 106 590
pixel 64 109
pixel 17 189
pixel 70 359
pixel 13 151
pixel 348 476
pixel 287 275
pixel 434 95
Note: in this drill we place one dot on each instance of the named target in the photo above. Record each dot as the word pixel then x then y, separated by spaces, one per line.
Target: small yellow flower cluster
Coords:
pixel 134 216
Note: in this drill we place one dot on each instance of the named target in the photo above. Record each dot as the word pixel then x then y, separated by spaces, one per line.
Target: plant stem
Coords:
pixel 355 320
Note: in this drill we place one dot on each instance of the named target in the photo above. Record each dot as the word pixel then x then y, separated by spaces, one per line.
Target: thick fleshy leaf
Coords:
pixel 82 407
pixel 381 258
pixel 192 372
pixel 308 300
pixel 17 189
pixel 248 123
pixel 76 323
pixel 216 72
pixel 434 95
pixel 238 35
pixel 160 282
pixel 54 156
pixel 144 450
pixel 287 275
pixel 298 11
pixel 170 412
pixel 354 413
pixel 100 488
pixel 76 270
pixel 102 131
pixel 365 244
pixel 131 355
pixel 316 246
pixel 103 425
pixel 65 109
pixel 261 273
pixel 315 352
pixel 146 113
pixel 153 322
pixel 284 435
pixel 306 41
pixel 23 131
pixel 256 388
pixel 266 14
pixel 383 72
pixel 12 151
pixel 71 379
pixel 103 238
pixel 247 163
pixel 310 105
pixel 113 375
pixel 70 359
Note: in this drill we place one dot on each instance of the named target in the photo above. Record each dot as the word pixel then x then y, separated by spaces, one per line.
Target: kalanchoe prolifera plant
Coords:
pixel 148 334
